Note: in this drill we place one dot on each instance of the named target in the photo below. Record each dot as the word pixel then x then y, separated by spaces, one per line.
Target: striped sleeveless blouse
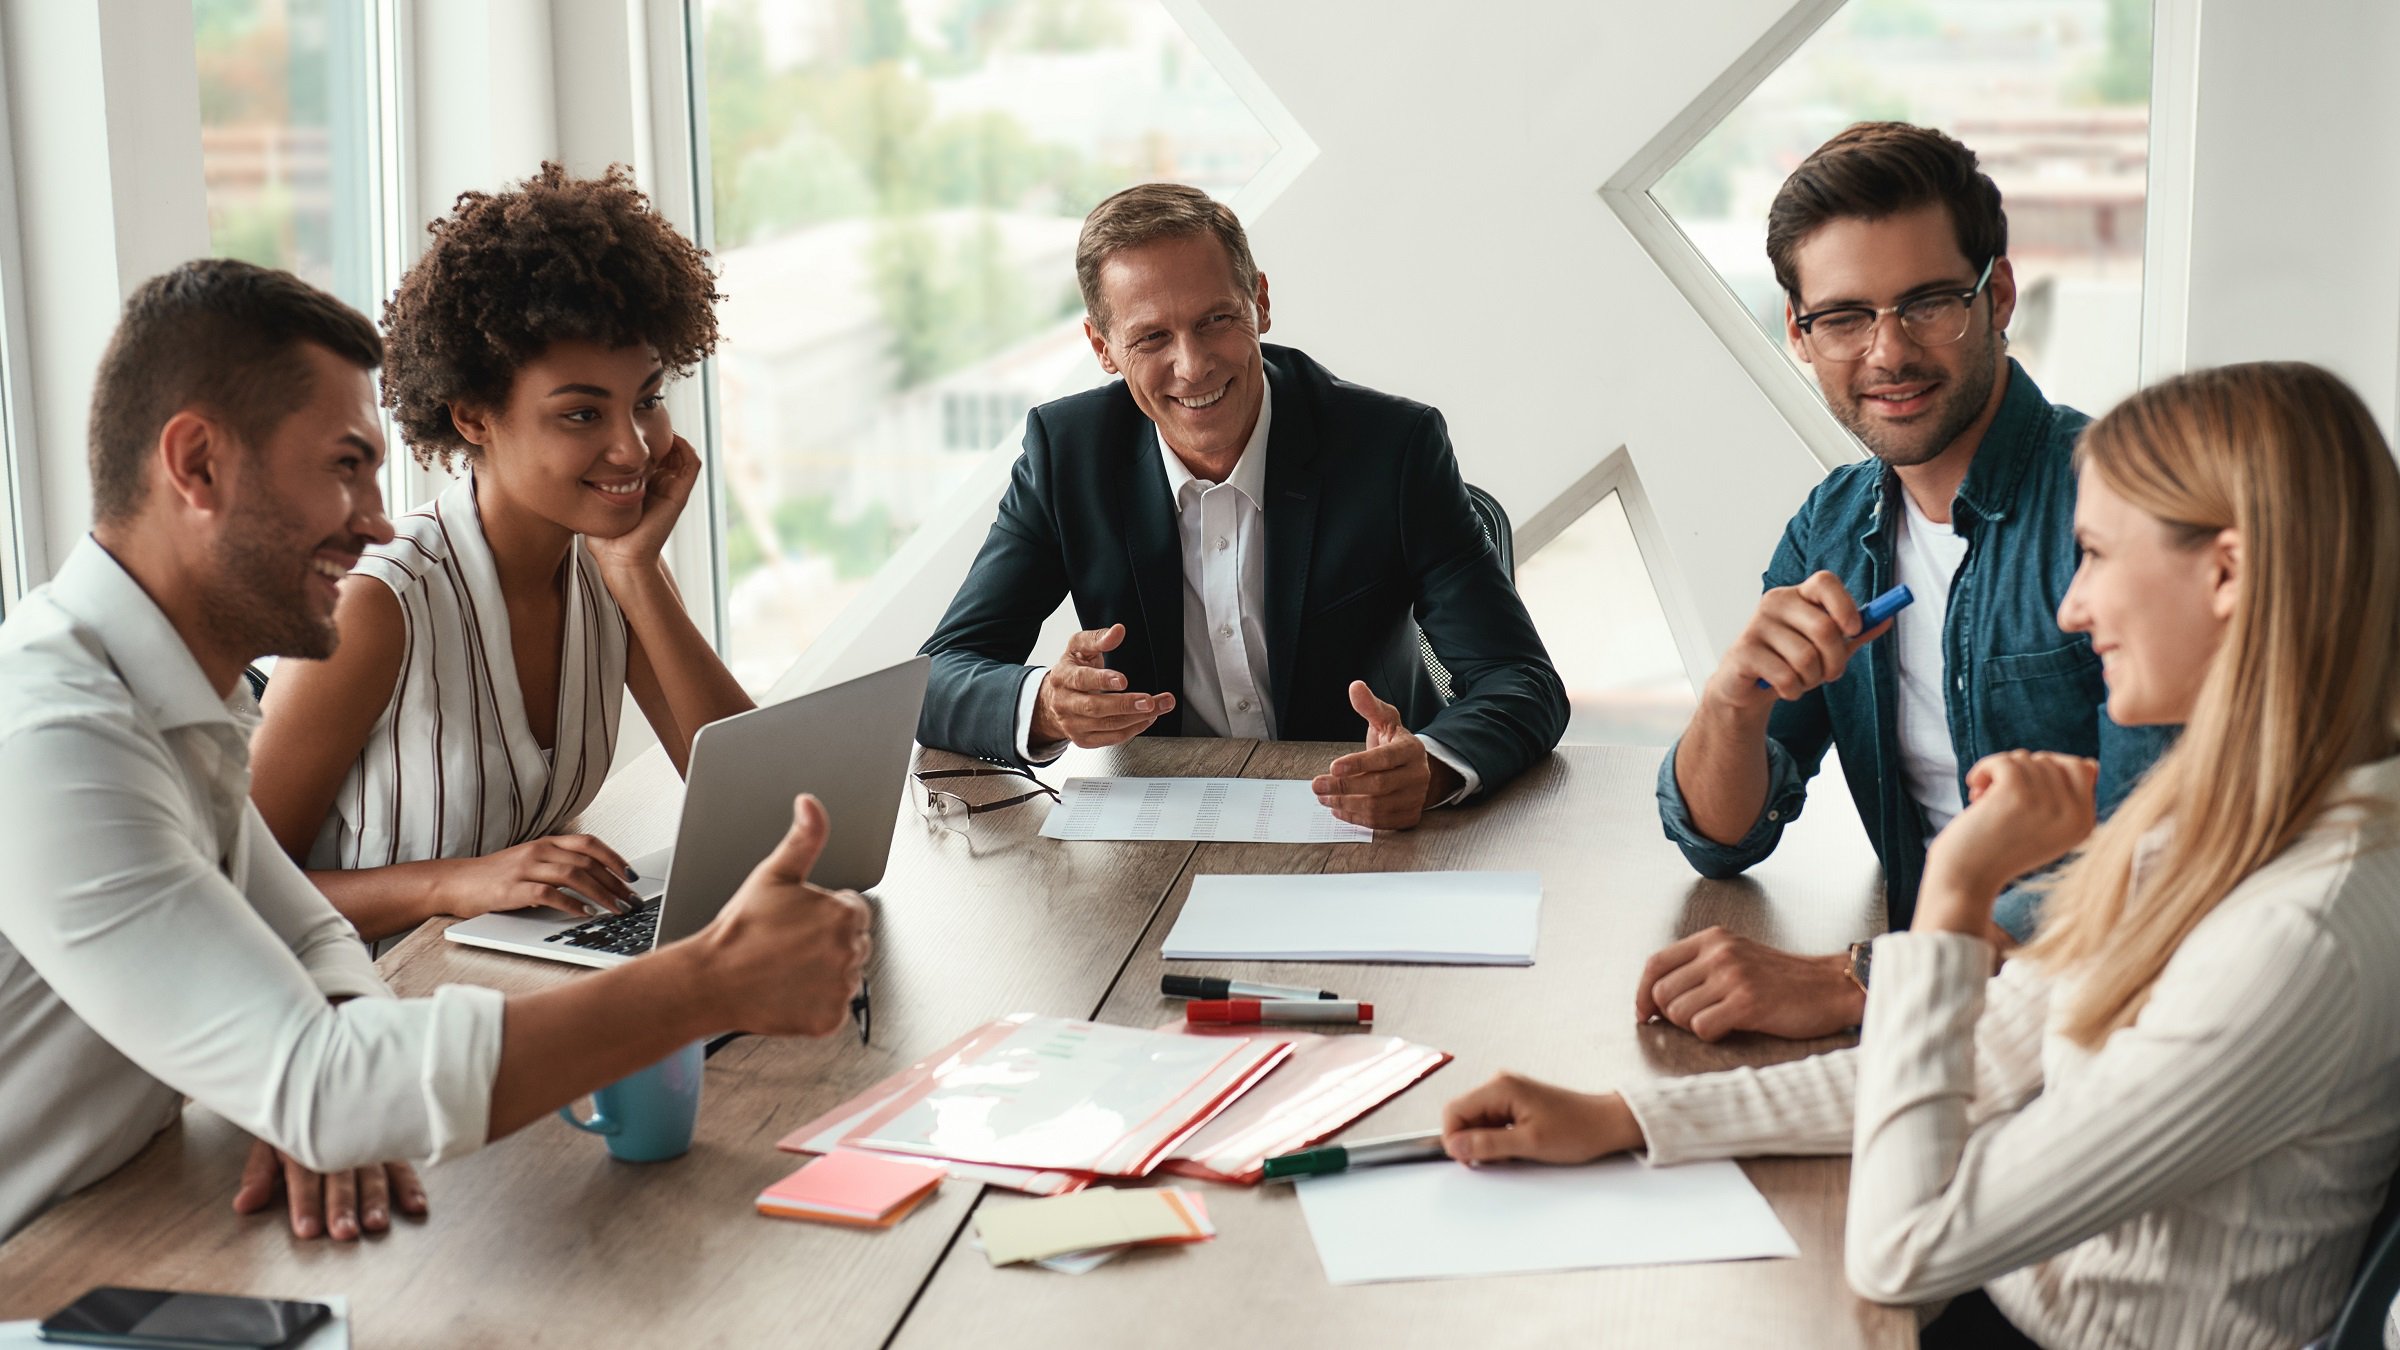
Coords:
pixel 451 769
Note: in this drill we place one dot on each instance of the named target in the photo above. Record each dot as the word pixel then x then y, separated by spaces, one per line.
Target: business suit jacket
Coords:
pixel 1366 521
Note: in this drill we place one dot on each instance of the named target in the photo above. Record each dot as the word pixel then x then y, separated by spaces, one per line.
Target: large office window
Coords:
pixel 2053 95
pixel 288 102
pixel 895 188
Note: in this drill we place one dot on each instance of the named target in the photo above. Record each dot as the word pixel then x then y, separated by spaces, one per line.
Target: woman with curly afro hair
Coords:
pixel 471 707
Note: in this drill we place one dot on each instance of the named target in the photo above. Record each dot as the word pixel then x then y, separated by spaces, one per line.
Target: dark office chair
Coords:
pixel 2360 1327
pixel 1503 540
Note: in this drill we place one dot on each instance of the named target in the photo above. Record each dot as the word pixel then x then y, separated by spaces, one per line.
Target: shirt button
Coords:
pixel 1243 706
pixel 1962 682
pixel 1221 543
pixel 1225 630
pixel 1774 815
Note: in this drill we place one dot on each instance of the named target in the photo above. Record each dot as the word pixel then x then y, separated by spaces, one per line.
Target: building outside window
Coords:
pixel 896 187
pixel 287 108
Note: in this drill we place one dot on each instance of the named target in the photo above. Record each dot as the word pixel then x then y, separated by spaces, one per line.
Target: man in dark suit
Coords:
pixel 1246 538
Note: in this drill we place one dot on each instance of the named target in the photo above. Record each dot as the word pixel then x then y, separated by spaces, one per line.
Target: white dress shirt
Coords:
pixel 156 943
pixel 1223 531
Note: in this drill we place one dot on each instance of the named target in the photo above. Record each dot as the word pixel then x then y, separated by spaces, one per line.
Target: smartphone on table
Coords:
pixel 162 1319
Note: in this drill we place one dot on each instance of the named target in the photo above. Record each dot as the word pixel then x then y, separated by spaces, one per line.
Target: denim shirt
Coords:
pixel 2012 679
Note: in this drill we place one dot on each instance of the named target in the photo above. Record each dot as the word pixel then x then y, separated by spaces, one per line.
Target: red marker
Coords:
pixel 1322 1010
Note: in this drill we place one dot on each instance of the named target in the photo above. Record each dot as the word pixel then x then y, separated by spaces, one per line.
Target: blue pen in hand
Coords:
pixel 1875 611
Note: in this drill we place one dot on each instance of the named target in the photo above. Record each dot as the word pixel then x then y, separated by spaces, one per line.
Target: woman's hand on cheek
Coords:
pixel 672 478
pixel 2026 810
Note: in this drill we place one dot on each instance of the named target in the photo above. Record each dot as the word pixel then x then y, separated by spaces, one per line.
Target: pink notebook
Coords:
pixel 869 1190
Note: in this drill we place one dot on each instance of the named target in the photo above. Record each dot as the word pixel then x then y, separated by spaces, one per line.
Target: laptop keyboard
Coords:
pixel 628 934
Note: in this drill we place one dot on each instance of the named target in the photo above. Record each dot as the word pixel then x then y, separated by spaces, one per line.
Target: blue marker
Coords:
pixel 1875 611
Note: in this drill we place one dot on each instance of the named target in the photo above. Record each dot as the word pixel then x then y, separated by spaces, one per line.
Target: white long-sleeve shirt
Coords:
pixel 1222 532
pixel 156 943
pixel 2206 1177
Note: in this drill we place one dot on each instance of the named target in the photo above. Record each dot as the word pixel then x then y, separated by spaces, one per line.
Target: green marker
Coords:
pixel 1317 1162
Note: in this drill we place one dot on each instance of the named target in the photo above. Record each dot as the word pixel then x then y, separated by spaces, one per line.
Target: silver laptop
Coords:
pixel 848 744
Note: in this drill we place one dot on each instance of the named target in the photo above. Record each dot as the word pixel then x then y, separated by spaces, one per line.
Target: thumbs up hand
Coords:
pixel 785 956
pixel 1388 785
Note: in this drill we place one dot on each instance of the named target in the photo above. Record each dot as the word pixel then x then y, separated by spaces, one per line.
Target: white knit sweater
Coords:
pixel 2205 1178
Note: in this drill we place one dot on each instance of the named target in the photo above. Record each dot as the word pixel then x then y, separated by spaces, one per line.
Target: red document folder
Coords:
pixel 1327 1083
pixel 1038 1095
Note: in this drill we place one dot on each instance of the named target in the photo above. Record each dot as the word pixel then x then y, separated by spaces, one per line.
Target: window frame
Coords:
pixel 702 395
pixel 392 177
pixel 20 530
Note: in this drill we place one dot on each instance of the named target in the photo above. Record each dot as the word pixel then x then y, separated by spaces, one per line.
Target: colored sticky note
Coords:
pixel 849 1186
pixel 1072 1223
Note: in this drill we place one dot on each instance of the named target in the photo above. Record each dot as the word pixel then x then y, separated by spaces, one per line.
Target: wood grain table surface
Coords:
pixel 543 1240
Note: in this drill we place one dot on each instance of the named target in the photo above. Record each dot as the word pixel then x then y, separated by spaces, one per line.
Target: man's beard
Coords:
pixel 1960 404
pixel 265 600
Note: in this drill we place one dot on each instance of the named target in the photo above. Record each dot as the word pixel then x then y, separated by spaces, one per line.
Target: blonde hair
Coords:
pixel 2302 683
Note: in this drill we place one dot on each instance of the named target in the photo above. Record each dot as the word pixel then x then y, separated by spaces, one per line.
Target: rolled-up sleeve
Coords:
pixel 1798 734
pixel 219 994
pixel 1787 792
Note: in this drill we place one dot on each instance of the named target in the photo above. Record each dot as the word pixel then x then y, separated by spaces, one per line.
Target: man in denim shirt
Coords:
pixel 1891 247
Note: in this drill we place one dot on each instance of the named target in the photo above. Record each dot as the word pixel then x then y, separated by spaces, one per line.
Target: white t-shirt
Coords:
pixel 1927 557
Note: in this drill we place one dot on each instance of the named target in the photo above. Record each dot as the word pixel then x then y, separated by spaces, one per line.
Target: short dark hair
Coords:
pixel 216 334
pixel 1877 169
pixel 1147 213
pixel 553 259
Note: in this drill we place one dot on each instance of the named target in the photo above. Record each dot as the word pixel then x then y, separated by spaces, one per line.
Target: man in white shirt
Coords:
pixel 155 943
pixel 1252 546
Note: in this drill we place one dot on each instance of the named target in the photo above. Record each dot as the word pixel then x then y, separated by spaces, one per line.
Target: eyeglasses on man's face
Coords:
pixel 955 813
pixel 1935 319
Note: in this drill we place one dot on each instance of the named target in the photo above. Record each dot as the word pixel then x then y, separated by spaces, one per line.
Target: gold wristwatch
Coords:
pixel 1861 954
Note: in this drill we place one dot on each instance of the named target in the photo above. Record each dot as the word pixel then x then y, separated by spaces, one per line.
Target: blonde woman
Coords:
pixel 2171 1120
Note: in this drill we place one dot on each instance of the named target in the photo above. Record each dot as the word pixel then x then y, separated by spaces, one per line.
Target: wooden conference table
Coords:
pixel 542 1240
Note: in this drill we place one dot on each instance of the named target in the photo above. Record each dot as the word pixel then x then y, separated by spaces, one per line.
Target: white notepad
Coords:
pixel 1437 918
pixel 1211 810
pixel 1444 1220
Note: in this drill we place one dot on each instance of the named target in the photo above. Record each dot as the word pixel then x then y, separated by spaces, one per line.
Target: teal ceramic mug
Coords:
pixel 648 1116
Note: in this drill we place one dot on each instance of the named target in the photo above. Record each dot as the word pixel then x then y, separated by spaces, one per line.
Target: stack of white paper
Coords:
pixel 1211 810
pixel 1442 1220
pixel 1438 918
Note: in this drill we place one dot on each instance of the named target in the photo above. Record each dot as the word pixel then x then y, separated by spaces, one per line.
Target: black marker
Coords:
pixel 1208 986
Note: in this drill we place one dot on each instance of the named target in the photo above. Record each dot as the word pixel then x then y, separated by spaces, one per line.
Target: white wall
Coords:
pixel 2295 214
